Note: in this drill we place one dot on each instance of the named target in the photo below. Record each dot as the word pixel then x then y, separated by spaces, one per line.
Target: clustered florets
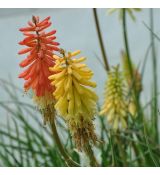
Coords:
pixel 75 102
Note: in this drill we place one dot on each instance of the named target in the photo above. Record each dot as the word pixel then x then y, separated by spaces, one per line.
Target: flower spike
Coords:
pixel 115 105
pixel 40 48
pixel 76 102
pixel 129 81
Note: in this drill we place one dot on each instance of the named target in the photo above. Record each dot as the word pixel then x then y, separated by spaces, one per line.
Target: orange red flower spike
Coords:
pixel 40 47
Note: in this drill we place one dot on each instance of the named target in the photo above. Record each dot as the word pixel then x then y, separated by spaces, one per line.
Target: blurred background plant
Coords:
pixel 24 141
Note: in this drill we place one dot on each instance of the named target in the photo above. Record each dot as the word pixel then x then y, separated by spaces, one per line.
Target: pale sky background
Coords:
pixel 76 30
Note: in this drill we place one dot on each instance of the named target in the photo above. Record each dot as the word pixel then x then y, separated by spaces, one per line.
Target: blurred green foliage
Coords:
pixel 24 141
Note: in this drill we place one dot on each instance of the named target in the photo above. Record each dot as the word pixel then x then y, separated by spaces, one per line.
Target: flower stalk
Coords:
pixel 105 59
pixel 66 157
pixel 155 84
pixel 135 94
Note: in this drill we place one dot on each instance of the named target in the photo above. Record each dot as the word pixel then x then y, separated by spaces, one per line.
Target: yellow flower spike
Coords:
pixel 115 106
pixel 75 101
pixel 128 10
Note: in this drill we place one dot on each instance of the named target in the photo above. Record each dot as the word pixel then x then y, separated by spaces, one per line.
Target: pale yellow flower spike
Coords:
pixel 75 101
pixel 115 106
pixel 138 83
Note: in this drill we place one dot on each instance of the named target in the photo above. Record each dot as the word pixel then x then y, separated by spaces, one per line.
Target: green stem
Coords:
pixel 126 43
pixel 137 153
pixel 122 152
pixel 66 157
pixel 135 94
pixel 155 85
pixel 100 40
pixel 114 162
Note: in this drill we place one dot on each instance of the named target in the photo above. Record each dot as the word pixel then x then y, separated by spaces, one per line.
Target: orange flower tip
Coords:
pixel 56 43
pixel 20 43
pixel 56 48
pixel 46 19
pixel 22 64
pixel 54 31
pixel 22 29
pixel 51 33
pixel 20 53
pixel 20 75
pixel 23 51
pixel 49 24
pixel 30 24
